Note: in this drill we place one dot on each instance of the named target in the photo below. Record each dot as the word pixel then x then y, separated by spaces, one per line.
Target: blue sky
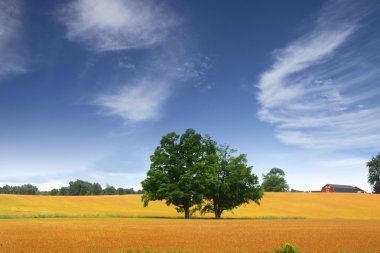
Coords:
pixel 88 87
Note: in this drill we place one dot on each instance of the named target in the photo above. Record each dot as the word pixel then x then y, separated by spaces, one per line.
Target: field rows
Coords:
pixel 334 223
pixel 308 205
pixel 111 235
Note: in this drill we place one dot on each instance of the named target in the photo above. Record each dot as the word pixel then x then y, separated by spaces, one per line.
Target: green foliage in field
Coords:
pixel 287 248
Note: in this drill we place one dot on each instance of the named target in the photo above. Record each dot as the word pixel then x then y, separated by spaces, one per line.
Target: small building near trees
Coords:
pixel 341 188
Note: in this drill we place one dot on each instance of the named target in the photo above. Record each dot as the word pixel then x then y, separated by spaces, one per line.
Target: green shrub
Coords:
pixel 287 248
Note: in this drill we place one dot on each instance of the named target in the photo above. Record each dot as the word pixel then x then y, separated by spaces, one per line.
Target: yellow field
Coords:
pixel 335 222
pixel 110 235
pixel 308 205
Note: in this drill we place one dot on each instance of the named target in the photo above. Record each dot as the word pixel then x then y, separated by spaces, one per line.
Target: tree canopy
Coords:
pixel 374 173
pixel 232 183
pixel 80 187
pixel 176 173
pixel 274 181
pixel 192 173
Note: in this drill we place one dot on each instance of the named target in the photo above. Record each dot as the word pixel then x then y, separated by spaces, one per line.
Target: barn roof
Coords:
pixel 360 190
pixel 343 188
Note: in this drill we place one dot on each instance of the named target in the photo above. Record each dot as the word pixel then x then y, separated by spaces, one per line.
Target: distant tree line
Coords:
pixel 25 189
pixel 75 188
pixel 83 188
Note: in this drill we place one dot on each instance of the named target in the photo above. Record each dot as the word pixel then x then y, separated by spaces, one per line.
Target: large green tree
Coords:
pixel 232 182
pixel 178 171
pixel 274 181
pixel 374 173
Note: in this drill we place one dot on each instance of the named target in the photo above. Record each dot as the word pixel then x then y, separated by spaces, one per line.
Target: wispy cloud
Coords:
pixel 321 90
pixel 11 61
pixel 346 163
pixel 144 98
pixel 137 101
pixel 117 24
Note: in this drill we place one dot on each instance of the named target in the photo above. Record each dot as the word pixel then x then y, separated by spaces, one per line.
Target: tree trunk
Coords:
pixel 376 189
pixel 217 210
pixel 218 213
pixel 187 213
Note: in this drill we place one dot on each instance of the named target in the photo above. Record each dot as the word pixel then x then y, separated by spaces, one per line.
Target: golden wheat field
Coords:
pixel 333 223
pixel 111 235
pixel 308 205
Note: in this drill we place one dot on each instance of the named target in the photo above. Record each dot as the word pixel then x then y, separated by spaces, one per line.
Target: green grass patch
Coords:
pixel 46 216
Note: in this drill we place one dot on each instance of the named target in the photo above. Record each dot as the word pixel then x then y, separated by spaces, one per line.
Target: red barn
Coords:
pixel 340 188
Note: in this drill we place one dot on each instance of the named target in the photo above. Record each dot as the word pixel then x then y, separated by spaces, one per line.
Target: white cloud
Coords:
pixel 10 59
pixel 139 101
pixel 118 179
pixel 50 184
pixel 345 163
pixel 144 98
pixel 321 89
pixel 114 25
pixel 194 68
pixel 117 24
